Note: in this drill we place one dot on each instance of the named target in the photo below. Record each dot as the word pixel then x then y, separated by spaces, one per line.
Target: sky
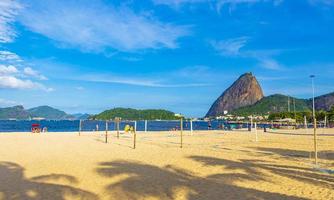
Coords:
pixel 86 56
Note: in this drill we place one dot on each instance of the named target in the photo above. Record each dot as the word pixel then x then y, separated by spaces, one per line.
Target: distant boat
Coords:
pixel 12 119
pixel 38 118
pixel 206 119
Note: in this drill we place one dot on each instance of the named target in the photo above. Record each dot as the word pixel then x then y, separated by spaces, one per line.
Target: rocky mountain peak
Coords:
pixel 243 92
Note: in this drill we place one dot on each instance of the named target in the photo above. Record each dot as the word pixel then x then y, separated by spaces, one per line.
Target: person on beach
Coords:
pixel 127 128
pixel 97 127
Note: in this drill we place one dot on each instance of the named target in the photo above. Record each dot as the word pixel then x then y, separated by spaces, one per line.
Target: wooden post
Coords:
pixel 181 129
pixel 315 141
pixel 325 124
pixel 265 127
pixel 80 127
pixel 294 110
pixel 251 127
pixel 256 139
pixel 191 126
pixel 134 135
pixel 106 131
pixel 145 126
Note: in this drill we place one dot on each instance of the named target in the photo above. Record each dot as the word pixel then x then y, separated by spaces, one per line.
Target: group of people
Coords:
pixel 129 128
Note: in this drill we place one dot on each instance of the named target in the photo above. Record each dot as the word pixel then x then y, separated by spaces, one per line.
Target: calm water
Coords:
pixel 90 125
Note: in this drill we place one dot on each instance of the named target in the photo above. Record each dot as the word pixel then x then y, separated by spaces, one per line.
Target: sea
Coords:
pixel 93 125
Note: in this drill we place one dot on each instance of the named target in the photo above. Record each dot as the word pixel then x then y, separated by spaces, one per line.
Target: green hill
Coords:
pixel 15 112
pixel 323 102
pixel 133 114
pixel 48 112
pixel 272 104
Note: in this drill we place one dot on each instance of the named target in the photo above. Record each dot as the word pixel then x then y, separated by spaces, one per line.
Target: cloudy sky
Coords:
pixel 180 55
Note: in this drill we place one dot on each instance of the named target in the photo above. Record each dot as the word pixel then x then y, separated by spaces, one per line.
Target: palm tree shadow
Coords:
pixel 140 181
pixel 255 167
pixel 292 153
pixel 297 134
pixel 15 186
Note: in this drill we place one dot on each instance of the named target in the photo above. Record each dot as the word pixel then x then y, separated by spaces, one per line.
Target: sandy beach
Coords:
pixel 211 165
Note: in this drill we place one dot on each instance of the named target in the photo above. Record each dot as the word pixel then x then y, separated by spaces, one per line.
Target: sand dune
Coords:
pixel 211 165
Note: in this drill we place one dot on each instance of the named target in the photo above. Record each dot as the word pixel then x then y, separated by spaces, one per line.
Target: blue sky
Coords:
pixel 180 55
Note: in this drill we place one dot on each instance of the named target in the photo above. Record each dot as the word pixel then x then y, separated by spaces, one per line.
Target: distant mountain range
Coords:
pixel 81 116
pixel 16 112
pixel 41 112
pixel 48 112
pixel 323 102
pixel 245 97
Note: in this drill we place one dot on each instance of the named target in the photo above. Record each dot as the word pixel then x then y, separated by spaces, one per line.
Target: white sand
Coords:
pixel 211 165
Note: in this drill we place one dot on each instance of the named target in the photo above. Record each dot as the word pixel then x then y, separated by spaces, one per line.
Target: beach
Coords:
pixel 210 165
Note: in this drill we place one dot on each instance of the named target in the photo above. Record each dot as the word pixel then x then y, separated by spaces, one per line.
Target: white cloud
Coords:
pixel 8 11
pixel 233 48
pixel 80 88
pixel 5 102
pixel 12 82
pixel 5 70
pixel 94 26
pixel 146 82
pixel 269 63
pixel 233 3
pixel 9 57
pixel 219 4
pixel 272 78
pixel 11 78
pixel 177 3
pixel 14 76
pixel 33 73
pixel 179 78
pixel 265 58
pixel 229 47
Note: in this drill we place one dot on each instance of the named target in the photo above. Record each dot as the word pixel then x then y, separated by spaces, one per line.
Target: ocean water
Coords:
pixel 91 125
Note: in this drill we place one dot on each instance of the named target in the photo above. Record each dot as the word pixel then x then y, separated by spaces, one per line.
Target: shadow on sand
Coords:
pixel 255 169
pixel 291 153
pixel 300 134
pixel 138 180
pixel 13 185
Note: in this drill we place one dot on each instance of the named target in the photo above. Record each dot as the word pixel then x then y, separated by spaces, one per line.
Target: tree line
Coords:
pixel 134 114
pixel 299 116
